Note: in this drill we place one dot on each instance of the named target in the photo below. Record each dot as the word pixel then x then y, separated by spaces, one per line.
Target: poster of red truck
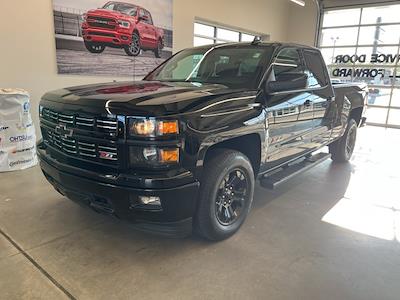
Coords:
pixel 114 38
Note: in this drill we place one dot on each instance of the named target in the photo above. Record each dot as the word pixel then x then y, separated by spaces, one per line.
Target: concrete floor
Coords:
pixel 330 233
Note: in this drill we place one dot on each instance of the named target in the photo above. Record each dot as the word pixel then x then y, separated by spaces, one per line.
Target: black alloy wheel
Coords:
pixel 351 141
pixel 226 194
pixel 342 149
pixel 232 195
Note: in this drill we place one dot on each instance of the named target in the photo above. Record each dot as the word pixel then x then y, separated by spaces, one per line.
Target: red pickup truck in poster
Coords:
pixel 121 25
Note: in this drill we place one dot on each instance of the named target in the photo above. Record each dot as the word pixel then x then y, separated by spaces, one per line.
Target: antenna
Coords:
pixel 257 40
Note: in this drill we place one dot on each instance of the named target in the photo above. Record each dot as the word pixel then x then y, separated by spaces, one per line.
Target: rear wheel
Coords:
pixel 134 48
pixel 94 48
pixel 226 195
pixel 342 149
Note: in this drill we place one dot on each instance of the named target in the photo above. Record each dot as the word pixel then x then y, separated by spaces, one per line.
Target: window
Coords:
pixel 334 37
pixel 230 66
pixel 149 19
pixel 286 63
pixel 344 16
pixel 314 69
pixel 380 14
pixel 126 9
pixel 387 34
pixel 206 34
pixel 227 35
pixel 363 44
pixel 147 16
pixel 288 67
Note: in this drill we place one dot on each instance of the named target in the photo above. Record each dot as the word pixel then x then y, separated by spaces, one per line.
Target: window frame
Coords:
pixel 215 39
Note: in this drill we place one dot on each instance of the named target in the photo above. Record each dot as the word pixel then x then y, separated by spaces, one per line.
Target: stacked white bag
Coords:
pixel 17 133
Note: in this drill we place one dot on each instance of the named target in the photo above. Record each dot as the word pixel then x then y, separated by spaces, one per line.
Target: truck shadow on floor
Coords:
pixel 320 189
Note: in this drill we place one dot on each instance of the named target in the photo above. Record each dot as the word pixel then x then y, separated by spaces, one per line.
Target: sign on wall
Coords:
pixel 373 69
pixel 116 38
pixel 367 72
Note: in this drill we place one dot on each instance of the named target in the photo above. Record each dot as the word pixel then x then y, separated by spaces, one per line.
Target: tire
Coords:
pixel 158 50
pixel 94 48
pixel 134 47
pixel 342 149
pixel 220 212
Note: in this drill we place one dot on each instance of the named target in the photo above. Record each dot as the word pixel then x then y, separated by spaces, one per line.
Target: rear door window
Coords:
pixel 315 69
pixel 149 19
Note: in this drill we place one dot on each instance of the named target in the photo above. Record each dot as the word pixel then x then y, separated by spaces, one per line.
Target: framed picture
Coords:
pixel 115 38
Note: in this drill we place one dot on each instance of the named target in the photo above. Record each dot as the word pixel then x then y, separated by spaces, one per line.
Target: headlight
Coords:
pixel 152 127
pixel 153 156
pixel 124 24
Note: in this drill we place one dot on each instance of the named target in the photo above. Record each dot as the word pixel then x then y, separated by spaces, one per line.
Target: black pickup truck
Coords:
pixel 181 149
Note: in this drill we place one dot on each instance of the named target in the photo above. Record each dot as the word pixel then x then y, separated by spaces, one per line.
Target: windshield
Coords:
pixel 231 66
pixel 125 9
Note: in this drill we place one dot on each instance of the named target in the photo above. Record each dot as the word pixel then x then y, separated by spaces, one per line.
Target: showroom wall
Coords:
pixel 27 55
pixel 302 23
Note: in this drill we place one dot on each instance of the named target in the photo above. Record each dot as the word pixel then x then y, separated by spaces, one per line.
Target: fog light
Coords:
pixel 150 200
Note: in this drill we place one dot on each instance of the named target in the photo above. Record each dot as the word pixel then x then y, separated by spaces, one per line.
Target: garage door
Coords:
pixel 363 44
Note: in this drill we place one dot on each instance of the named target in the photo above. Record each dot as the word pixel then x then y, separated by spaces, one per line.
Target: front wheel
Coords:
pixel 226 195
pixel 134 48
pixel 342 149
pixel 94 48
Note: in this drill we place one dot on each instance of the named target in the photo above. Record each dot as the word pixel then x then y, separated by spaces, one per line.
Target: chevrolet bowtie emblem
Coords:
pixel 63 131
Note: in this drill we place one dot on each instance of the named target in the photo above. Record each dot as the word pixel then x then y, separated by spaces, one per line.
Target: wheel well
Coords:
pixel 356 114
pixel 249 145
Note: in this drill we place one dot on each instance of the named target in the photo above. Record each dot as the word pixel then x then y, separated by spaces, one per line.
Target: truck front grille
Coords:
pixel 83 148
pixel 101 22
pixel 85 137
pixel 106 125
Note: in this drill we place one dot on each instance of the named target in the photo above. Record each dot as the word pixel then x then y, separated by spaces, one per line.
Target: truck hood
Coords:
pixel 106 13
pixel 143 98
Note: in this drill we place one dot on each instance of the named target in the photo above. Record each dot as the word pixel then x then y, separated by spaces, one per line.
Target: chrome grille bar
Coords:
pixel 80 145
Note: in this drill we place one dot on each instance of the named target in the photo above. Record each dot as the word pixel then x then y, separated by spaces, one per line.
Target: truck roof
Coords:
pixel 121 2
pixel 258 44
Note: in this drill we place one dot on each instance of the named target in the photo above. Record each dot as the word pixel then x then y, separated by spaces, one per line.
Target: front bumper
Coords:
pixel 104 36
pixel 173 219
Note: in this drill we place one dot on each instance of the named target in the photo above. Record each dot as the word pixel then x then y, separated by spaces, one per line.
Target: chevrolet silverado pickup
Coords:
pixel 121 25
pixel 181 149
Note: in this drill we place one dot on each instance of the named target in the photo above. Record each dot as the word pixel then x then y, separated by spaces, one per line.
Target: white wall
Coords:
pixel 302 23
pixel 264 16
pixel 27 52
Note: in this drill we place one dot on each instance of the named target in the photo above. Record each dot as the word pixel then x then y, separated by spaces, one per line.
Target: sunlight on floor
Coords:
pixel 371 204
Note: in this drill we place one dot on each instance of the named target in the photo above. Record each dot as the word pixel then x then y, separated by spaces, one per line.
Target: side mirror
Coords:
pixel 288 82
